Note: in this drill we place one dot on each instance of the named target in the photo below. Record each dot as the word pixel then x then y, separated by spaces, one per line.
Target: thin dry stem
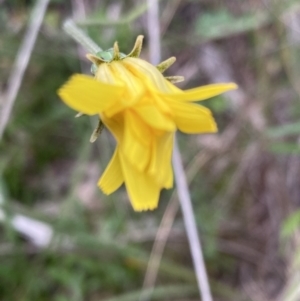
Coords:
pixel 159 244
pixel 79 13
pixel 21 62
pixel 153 31
pixel 80 36
pixel 190 226
pixel 180 178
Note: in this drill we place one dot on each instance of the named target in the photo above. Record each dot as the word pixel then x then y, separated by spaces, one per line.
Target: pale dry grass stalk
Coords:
pixel 21 62
pixel 79 13
pixel 180 178
pixel 39 233
pixel 158 247
pixel 154 31
pixel 80 36
pixel 190 226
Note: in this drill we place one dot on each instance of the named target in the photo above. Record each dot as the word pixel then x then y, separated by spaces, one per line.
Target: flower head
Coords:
pixel 142 109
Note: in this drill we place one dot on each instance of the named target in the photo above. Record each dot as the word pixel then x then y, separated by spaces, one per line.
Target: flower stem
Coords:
pixel 180 178
pixel 154 32
pixel 190 225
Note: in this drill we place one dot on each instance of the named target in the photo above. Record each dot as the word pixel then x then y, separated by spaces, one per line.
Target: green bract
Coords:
pixel 107 56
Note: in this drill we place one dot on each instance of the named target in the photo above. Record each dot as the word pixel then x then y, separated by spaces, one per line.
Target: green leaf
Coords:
pixel 285 148
pixel 222 23
pixel 291 224
pixel 284 130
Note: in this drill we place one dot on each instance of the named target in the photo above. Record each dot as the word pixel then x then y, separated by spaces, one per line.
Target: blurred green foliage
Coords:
pixel 49 171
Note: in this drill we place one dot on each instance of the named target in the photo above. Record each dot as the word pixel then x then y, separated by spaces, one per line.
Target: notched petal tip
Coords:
pixel 137 48
pixel 102 188
pixel 144 208
pixel 143 203
pixel 112 178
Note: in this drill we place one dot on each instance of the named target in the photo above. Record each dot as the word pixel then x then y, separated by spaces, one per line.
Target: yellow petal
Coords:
pixel 148 73
pixel 139 129
pixel 105 74
pixel 132 135
pixel 133 84
pixel 133 93
pixel 115 125
pixel 136 141
pixel 112 177
pixel 155 118
pixel 161 104
pixel 142 190
pixel 202 93
pixel 160 167
pixel 127 100
pixel 169 179
pixel 192 118
pixel 84 94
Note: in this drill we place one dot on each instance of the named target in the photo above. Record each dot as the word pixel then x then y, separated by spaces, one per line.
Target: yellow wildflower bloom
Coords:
pixel 143 110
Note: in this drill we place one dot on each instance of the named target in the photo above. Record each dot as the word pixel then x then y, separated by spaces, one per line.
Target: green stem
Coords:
pixel 130 17
pixel 81 37
pixel 161 293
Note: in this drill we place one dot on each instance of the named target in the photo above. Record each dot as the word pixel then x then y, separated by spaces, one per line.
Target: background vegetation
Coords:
pixel 244 181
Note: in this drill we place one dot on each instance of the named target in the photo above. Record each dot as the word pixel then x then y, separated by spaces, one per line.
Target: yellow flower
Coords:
pixel 143 110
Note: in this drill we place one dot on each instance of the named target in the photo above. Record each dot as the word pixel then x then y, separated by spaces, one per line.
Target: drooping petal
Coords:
pixel 169 179
pixel 112 178
pixel 137 127
pixel 201 93
pixel 84 94
pixel 192 118
pixel 136 141
pixel 115 125
pixel 132 135
pixel 142 190
pixel 160 167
